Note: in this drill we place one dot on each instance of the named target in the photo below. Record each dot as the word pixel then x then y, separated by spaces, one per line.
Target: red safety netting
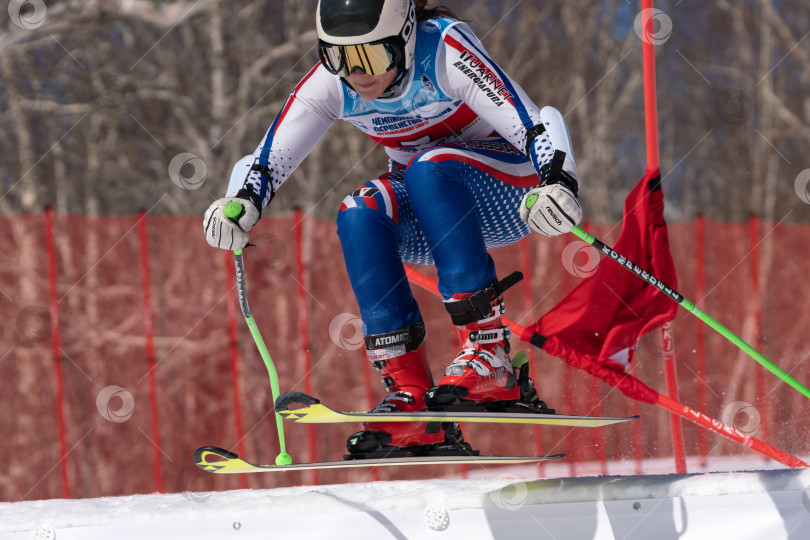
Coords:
pixel 91 411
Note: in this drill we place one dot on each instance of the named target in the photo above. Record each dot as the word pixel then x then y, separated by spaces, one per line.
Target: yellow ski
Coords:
pixel 221 461
pixel 314 412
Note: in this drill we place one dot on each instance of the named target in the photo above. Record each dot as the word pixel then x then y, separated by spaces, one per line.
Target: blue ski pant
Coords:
pixel 446 207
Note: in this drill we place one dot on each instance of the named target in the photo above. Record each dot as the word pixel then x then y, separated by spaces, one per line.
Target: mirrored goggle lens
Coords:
pixel 372 59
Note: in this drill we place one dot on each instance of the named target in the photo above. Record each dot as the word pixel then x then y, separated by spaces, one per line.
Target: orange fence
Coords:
pixel 123 350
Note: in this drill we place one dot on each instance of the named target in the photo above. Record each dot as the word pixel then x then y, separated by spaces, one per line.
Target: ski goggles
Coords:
pixel 371 58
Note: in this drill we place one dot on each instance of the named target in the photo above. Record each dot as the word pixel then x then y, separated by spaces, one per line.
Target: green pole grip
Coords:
pixel 233 210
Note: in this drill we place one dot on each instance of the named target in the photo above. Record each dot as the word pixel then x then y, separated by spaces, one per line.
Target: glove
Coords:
pixel 230 233
pixel 550 209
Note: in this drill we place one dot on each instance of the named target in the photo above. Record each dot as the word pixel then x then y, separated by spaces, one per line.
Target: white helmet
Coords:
pixel 372 35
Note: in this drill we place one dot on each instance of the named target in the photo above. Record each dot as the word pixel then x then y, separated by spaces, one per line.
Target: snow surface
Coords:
pixel 758 505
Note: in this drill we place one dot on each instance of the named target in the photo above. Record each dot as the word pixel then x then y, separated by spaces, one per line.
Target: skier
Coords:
pixel 474 164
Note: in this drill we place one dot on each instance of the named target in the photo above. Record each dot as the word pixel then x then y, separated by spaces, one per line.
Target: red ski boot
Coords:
pixel 401 361
pixel 483 372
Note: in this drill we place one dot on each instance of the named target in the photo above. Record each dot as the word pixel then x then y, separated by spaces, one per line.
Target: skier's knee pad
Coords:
pixel 377 196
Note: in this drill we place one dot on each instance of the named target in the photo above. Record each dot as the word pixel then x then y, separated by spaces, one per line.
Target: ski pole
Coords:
pixel 232 211
pixel 692 308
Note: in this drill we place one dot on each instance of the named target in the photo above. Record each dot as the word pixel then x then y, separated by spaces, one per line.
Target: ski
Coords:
pixel 314 412
pixel 221 461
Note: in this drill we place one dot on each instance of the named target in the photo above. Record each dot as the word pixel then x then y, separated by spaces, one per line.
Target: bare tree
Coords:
pixel 101 97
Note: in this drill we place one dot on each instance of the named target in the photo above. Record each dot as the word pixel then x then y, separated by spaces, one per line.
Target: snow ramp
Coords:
pixel 761 505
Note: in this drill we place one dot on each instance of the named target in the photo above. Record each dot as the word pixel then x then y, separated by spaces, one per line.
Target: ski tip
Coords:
pixel 201 453
pixel 214 459
pixel 290 398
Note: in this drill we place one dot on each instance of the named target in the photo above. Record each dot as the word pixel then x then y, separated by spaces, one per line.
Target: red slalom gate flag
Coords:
pixel 597 325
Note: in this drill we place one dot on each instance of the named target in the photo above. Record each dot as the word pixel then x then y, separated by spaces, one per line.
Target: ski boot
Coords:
pixel 400 359
pixel 483 373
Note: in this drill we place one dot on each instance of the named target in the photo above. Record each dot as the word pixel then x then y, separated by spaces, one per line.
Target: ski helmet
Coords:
pixel 373 35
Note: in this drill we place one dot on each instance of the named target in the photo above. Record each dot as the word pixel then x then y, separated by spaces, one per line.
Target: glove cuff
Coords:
pixel 249 195
pixel 553 173
pixel 568 181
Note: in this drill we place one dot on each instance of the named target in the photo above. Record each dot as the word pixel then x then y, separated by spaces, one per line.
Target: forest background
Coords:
pixel 112 107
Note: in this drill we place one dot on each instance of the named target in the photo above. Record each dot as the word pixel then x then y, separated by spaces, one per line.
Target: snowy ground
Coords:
pixel 758 505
